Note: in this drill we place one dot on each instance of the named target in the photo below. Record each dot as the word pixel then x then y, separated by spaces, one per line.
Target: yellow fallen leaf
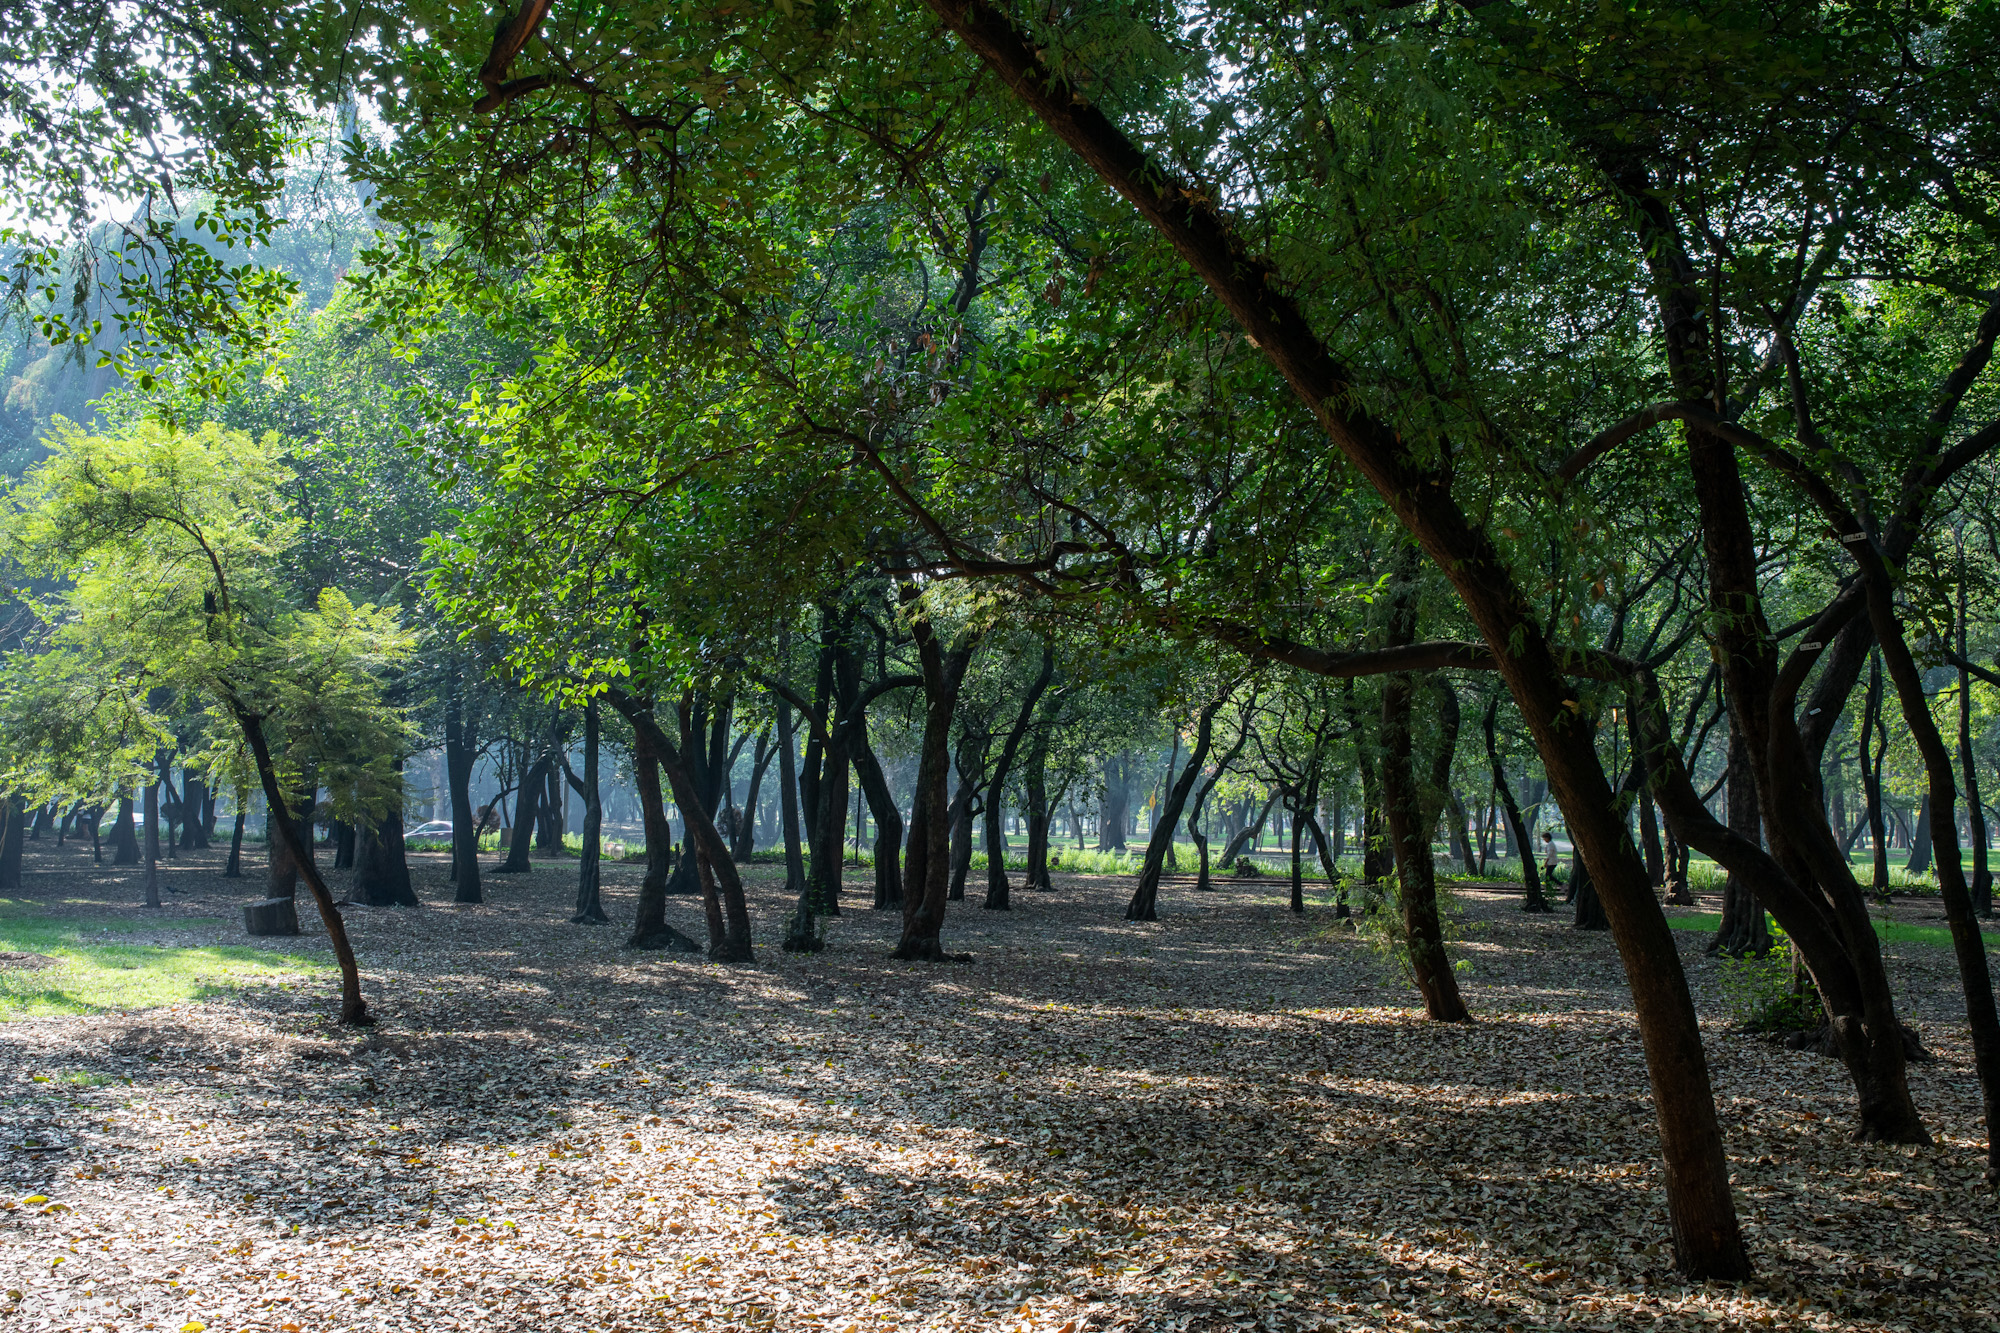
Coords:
pixel 36 1198
pixel 193 1326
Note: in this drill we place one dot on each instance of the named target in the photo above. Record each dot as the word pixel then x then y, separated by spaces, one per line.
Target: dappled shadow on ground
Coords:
pixel 1230 1118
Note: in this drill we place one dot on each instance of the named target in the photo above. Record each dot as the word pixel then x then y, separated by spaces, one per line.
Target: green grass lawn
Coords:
pixel 1896 932
pixel 89 977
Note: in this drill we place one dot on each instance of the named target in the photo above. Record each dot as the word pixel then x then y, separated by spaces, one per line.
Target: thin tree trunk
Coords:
pixel 996 787
pixel 1871 775
pixel 801 934
pixel 234 870
pixel 589 898
pixel 152 839
pixel 1522 831
pixel 1145 897
pixel 353 1009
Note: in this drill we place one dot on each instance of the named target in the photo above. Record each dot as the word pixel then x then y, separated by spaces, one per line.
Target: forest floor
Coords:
pixel 1232 1118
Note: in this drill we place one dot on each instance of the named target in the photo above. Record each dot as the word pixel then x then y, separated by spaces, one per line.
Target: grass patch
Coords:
pixel 1895 932
pixel 89 978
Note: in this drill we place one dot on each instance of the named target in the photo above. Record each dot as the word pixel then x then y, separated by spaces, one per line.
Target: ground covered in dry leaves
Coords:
pixel 1229 1119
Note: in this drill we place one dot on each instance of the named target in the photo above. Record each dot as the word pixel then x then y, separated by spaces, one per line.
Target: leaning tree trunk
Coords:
pixel 353 1009
pixel 1518 828
pixel 527 806
pixel 1981 888
pixel 743 844
pixel 1145 898
pixel 888 822
pixel 1871 775
pixel 1246 834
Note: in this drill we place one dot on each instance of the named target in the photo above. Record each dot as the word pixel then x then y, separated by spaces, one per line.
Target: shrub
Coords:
pixel 1772 993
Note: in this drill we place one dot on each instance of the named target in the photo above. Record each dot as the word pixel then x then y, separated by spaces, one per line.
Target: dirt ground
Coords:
pixel 1229 1119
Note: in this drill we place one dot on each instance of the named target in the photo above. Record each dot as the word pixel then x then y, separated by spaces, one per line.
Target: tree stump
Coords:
pixel 272 916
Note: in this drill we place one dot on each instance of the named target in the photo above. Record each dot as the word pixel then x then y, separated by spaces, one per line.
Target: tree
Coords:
pixel 166 538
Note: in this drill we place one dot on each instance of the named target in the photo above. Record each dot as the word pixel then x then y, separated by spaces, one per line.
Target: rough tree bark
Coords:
pixel 927 863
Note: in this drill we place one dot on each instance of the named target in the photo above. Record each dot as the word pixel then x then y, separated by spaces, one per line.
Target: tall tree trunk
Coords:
pixel 461 753
pixel 1145 897
pixel 589 898
pixel 1521 830
pixel 152 838
pixel 927 863
pixel 234 870
pixel 996 837
pixel 1871 775
pixel 1981 887
pixel 650 929
pixel 1409 832
pixel 298 850
pixel 801 934
pixel 1968 946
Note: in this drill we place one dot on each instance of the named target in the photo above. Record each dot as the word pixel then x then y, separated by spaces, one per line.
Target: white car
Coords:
pixel 435 828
